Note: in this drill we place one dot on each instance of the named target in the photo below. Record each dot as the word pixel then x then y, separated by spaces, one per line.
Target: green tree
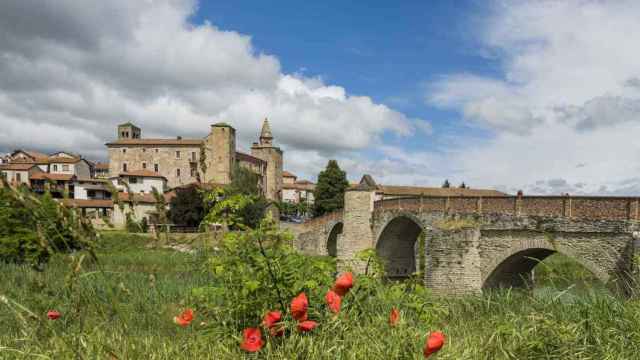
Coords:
pixel 446 184
pixel 187 207
pixel 329 193
pixel 244 181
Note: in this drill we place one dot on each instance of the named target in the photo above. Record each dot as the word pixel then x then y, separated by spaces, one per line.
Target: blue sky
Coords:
pixel 385 50
pixel 542 96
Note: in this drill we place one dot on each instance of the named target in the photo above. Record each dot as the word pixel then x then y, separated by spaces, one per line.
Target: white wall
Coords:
pixel 119 219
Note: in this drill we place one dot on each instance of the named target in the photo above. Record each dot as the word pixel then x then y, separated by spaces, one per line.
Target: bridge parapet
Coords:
pixel 573 207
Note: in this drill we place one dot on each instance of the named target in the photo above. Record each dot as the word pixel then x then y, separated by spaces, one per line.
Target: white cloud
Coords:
pixel 567 95
pixel 70 72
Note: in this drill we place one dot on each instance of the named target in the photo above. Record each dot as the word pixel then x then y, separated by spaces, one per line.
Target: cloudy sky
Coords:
pixel 542 96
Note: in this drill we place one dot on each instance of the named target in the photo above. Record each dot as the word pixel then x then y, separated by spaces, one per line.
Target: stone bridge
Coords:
pixel 476 243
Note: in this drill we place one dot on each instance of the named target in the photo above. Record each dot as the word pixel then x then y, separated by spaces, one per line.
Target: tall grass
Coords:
pixel 125 311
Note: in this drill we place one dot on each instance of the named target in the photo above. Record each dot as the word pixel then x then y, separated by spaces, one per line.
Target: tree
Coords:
pixel 244 181
pixel 329 193
pixel 446 184
pixel 463 185
pixel 187 207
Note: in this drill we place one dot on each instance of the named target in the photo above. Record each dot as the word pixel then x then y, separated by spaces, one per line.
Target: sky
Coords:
pixel 540 96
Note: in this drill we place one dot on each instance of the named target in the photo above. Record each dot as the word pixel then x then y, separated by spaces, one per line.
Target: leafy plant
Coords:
pixel 329 193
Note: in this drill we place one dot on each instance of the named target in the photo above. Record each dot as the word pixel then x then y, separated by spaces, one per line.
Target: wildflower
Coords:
pixel 343 284
pixel 306 326
pixel 53 314
pixel 299 306
pixel 434 343
pixel 185 318
pixel 394 317
pixel 271 321
pixel 333 301
pixel 251 340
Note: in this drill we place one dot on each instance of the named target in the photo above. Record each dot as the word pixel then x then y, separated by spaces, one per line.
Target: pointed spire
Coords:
pixel 266 130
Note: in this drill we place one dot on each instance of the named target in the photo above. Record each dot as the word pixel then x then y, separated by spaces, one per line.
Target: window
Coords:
pixel 124 151
pixel 193 155
pixel 65 167
pixel 194 172
pixel 155 167
pixel 55 167
pixel 18 177
pixel 91 193
pixel 144 166
pixel 178 172
pixel 177 154
pixel 133 180
pixel 124 167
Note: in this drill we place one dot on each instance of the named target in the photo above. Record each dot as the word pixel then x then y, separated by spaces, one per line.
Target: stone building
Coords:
pixel 211 159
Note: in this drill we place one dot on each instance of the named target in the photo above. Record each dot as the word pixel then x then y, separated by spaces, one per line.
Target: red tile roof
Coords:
pixel 48 176
pixel 141 198
pixel 160 142
pixel 101 166
pixel 17 166
pixel 142 173
pixel 249 158
pixel 64 160
pixel 81 203
pixel 288 174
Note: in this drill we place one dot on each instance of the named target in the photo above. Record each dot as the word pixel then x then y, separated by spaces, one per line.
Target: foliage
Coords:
pixel 33 228
pixel 292 209
pixel 257 270
pixel 329 192
pixel 187 207
pixel 463 186
pixel 244 181
pixel 446 184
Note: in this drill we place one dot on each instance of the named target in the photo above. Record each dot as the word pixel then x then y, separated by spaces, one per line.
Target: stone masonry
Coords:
pixel 476 243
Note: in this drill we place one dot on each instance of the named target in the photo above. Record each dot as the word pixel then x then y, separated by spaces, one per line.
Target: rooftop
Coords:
pixel 161 142
pixel 142 173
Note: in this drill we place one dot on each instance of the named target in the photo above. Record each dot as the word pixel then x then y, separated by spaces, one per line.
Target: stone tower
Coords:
pixel 128 131
pixel 265 150
pixel 220 153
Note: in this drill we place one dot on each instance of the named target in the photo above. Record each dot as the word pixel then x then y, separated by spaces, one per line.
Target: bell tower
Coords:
pixel 265 150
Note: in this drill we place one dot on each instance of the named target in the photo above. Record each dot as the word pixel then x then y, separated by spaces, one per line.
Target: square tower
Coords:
pixel 128 131
pixel 220 153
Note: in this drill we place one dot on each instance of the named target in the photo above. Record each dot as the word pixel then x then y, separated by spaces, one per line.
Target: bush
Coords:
pixel 32 228
pixel 187 207
pixel 257 270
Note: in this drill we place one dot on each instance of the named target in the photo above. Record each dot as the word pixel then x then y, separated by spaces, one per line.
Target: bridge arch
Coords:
pixel 334 232
pixel 513 266
pixel 397 244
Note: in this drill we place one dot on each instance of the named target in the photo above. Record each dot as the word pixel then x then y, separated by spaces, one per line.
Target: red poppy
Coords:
pixel 434 343
pixel 306 326
pixel 394 317
pixel 251 340
pixel 343 284
pixel 53 315
pixel 185 318
pixel 333 301
pixel 271 321
pixel 299 306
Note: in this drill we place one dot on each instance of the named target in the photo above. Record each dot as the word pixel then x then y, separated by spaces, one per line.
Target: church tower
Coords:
pixel 265 150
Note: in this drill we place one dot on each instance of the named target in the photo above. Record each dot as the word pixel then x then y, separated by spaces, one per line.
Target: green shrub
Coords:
pixel 257 270
pixel 32 228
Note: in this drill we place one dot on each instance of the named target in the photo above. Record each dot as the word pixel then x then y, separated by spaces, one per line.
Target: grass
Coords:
pixel 125 311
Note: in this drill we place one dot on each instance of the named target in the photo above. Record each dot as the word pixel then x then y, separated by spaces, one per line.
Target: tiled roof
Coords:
pixel 143 173
pixel 48 176
pixel 249 158
pixel 64 160
pixel 17 166
pixel 141 198
pixel 160 142
pixel 101 166
pixel 436 191
pixel 81 203
pixel 288 174
pixel 304 182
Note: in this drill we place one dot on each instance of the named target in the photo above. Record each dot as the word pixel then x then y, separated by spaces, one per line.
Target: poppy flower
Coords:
pixel 434 343
pixel 271 321
pixel 343 284
pixel 53 315
pixel 299 306
pixel 394 317
pixel 306 326
pixel 333 301
pixel 251 340
pixel 185 318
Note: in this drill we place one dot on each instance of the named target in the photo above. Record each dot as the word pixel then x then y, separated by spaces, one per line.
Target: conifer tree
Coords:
pixel 329 193
pixel 446 184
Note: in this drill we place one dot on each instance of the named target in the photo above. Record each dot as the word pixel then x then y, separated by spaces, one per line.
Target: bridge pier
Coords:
pixel 356 234
pixel 453 262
